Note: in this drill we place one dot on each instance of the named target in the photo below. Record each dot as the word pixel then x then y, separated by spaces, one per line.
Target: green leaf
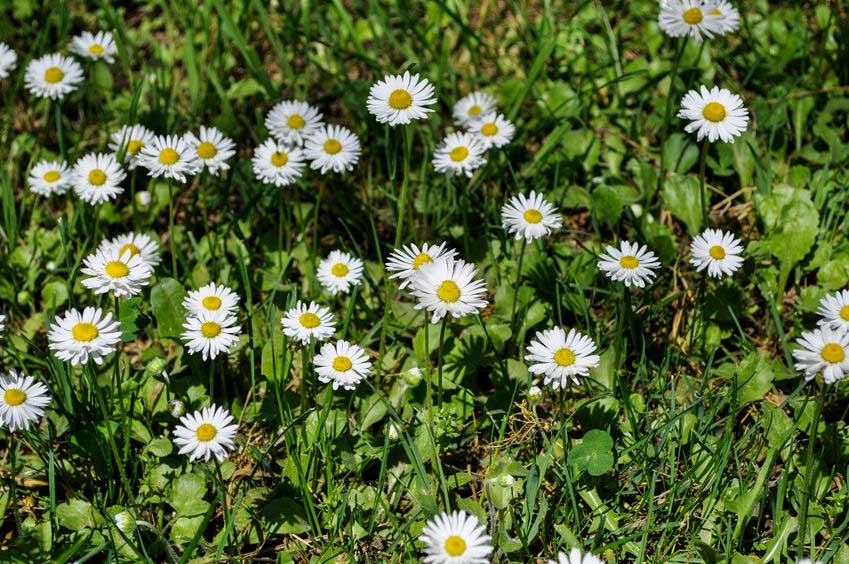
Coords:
pixel 132 319
pixel 160 447
pixel 754 377
pixel 75 514
pixel 187 493
pixel 166 299
pixel 791 221
pixel 594 453
pixel 681 194
pixel 680 153
pixel 608 202
pixel 285 517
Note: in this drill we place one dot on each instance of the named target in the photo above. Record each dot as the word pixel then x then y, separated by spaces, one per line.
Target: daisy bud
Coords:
pixel 534 394
pixel 125 521
pixel 505 480
pixel 143 198
pixel 177 408
pixel 50 266
pixel 393 432
pixel 413 376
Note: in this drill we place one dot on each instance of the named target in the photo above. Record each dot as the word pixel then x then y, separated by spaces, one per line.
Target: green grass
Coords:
pixel 694 441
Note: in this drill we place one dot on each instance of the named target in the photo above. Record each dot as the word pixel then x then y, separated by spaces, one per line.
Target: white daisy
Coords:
pixel 210 333
pixel 459 153
pixel 110 270
pixel 340 272
pixel 809 561
pixel 405 262
pixel 715 114
pixel 50 177
pixel 492 130
pixel 576 557
pixel 718 251
pixel 205 433
pixel 455 538
pixel 2 322
pixel 132 139
pixel 97 178
pixel 211 298
pixel 22 400
pixel 332 147
pixel 630 263
pixel 530 217
pixel 277 163
pixel 53 76
pixel 96 47
pixel 561 357
pixel 448 286
pixel 834 310
pixel 342 363
pixel 169 156
pixel 400 99
pixel 213 149
pixel 729 17
pixel 8 60
pixel 292 121
pixel 78 337
pixel 137 244
pixel 472 107
pixel 689 18
pixel 304 322
pixel 823 350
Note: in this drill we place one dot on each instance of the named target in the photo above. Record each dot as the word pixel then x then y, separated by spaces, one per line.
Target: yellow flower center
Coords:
pixel 332 146
pixel 84 332
pixel 474 110
pixel 844 312
pixel 455 546
pixel 97 177
pixel 629 261
pixel 168 156
pixel 206 432
pixel 51 176
pixel 342 364
pixel 210 329
pixel 211 302
pixel 564 357
pixel 96 49
pixel 279 159
pixel 717 252
pixel 448 292
pixel 833 353
pixel 532 216
pixel 400 99
pixel 207 150
pixel 53 75
pixel 714 112
pixel 130 247
pixel 116 269
pixel 693 16
pixel 295 121
pixel 489 129
pixel 459 154
pixel 309 320
pixel 14 396
pixel 339 269
pixel 420 259
pixel 134 146
pixel 715 12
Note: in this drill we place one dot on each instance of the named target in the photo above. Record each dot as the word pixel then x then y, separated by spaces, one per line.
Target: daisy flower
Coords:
pixel 689 18
pixel 277 163
pixel 80 337
pixel 472 106
pixel 212 149
pixel 292 121
pixel 342 363
pixel 137 244
pixel 53 76
pixel 400 99
pixel 97 178
pixel 729 17
pixel 2 322
pixel 576 557
pixel 809 561
pixel 448 286
pixel 340 272
pixel 22 400
pixel 332 147
pixel 211 298
pixel 169 156
pixel 715 114
pixel 210 333
pixel 834 310
pixel 459 153
pixel 455 538
pixel 561 357
pixel 96 47
pixel 205 433
pixel 405 262
pixel 718 251
pixel 530 217
pixel 50 177
pixel 492 130
pixel 8 60
pixel 823 350
pixel 131 139
pixel 630 263
pixel 304 322
pixel 110 270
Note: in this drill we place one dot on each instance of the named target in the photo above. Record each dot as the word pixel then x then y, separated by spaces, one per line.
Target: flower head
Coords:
pixel 49 177
pixel 472 107
pixel 169 156
pixel 140 244
pixel 492 130
pixel 834 310
pixel 53 76
pixel 718 251
pixel 404 263
pixel 343 364
pixel 206 433
pixel 729 17
pixel 689 18
pixel 530 216
pixel 97 178
pixel 22 400
pixel 459 153
pixel 575 556
pixel 112 270
pixel 210 298
pixel 455 538
pixel 99 46
pixel 304 322
pixel 631 264
pixel 561 357
pixel 130 139
pixel 823 350
pixel 340 272
pixel 277 163
pixel 78 337
pixel 293 121
pixel 332 147
pixel 210 333
pixel 8 60
pixel 715 114
pixel 448 286
pixel 400 99
pixel 212 148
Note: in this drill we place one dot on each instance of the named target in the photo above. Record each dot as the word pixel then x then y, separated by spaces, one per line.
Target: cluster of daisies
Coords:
pixel 698 19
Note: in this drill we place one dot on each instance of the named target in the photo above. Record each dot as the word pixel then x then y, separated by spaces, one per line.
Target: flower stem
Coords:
pixel 439 358
pixel 171 227
pixel 702 194
pixel 57 112
pixel 810 475
pixel 518 283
